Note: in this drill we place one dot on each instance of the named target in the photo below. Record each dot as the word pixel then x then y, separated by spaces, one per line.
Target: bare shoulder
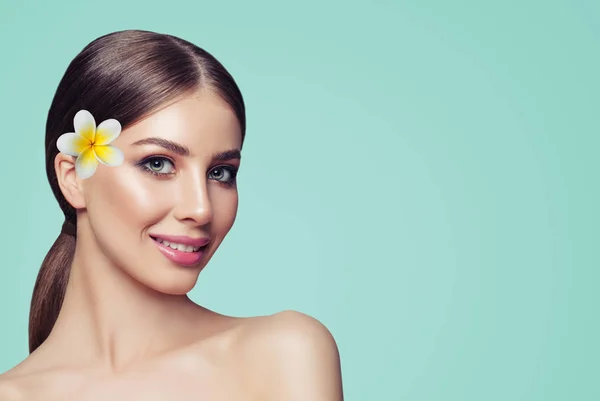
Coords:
pixel 291 330
pixel 9 389
pixel 32 379
pixel 293 356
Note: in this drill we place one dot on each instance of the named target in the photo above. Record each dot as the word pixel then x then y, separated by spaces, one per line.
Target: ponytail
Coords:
pixel 50 287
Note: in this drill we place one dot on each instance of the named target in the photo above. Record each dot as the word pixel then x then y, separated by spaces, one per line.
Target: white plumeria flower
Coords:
pixel 90 144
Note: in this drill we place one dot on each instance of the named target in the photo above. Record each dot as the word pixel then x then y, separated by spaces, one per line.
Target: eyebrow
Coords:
pixel 185 151
pixel 231 154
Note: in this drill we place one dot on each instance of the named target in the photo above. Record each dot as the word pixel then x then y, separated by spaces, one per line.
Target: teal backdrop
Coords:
pixel 421 176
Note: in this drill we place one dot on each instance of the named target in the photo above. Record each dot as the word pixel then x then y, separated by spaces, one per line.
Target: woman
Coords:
pixel 143 143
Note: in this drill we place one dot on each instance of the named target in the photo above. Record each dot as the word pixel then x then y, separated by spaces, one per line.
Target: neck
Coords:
pixel 109 318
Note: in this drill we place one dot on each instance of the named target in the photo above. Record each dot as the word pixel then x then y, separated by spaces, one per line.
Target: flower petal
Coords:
pixel 107 132
pixel 72 144
pixel 109 155
pixel 86 163
pixel 85 125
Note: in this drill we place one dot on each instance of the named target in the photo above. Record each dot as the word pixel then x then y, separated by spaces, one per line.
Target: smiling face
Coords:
pixel 176 184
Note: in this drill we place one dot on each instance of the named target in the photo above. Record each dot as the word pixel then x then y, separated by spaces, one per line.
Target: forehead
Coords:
pixel 203 122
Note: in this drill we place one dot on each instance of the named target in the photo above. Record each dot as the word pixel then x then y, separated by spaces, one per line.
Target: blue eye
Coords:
pixel 224 174
pixel 158 165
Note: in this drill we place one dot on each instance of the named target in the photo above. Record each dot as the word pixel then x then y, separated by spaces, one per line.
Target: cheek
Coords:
pixel 127 201
pixel 225 205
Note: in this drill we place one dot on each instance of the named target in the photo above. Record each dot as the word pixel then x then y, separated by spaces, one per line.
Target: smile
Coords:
pixel 179 247
pixel 181 250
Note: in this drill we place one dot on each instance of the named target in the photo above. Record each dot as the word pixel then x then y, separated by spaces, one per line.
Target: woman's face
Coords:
pixel 162 214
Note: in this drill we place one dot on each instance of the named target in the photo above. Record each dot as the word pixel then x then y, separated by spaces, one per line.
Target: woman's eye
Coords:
pixel 159 165
pixel 223 174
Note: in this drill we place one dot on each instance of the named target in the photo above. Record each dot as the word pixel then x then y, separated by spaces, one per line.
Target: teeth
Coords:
pixel 179 247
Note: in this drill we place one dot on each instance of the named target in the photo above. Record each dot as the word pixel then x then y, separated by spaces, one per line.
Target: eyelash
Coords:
pixel 143 165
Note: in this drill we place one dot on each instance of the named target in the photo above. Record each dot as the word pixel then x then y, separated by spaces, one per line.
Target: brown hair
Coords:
pixel 124 75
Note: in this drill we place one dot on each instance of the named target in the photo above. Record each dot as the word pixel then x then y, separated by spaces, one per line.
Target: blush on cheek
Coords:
pixel 143 199
pixel 225 206
pixel 129 199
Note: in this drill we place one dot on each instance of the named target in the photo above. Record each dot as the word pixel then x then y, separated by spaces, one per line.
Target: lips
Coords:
pixel 181 250
pixel 181 239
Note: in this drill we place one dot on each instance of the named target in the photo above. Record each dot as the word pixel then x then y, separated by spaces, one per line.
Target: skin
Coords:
pixel 127 330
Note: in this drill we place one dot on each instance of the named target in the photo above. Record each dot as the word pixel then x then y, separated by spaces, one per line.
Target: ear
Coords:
pixel 70 185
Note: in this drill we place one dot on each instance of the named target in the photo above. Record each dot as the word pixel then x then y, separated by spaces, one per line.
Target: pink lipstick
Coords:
pixel 181 250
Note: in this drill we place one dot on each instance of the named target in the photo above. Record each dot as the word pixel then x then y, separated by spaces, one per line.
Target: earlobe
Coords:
pixel 70 185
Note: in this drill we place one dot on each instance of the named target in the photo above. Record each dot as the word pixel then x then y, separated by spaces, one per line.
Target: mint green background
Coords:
pixel 418 175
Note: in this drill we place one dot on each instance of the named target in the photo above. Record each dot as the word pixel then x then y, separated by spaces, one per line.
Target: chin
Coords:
pixel 175 285
pixel 166 278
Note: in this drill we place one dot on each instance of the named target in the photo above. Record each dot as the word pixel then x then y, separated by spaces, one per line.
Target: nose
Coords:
pixel 193 204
